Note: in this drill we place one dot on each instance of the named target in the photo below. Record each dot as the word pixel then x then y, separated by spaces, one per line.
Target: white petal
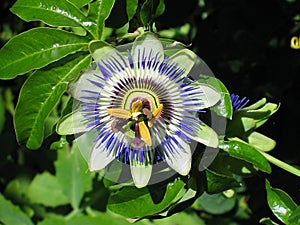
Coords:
pixel 85 144
pixel 77 88
pixel 211 96
pixel 144 44
pixel 99 159
pixel 185 59
pixel 95 155
pixel 71 124
pixel 180 160
pixel 141 173
pixel 205 134
pixel 101 50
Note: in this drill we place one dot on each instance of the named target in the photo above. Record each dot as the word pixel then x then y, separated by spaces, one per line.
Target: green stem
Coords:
pixel 72 214
pixel 281 164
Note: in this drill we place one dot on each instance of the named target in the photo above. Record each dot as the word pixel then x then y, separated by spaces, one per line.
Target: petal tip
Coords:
pixel 141 174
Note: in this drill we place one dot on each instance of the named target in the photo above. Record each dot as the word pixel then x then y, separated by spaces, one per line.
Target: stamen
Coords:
pixel 145 134
pixel 119 113
pixel 117 124
pixel 148 113
pixel 137 106
pixel 157 112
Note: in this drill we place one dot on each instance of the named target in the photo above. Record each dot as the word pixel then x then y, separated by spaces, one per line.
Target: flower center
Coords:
pixel 136 122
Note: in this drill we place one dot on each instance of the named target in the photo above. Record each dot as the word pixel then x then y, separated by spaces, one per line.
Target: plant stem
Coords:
pixel 72 214
pixel 281 164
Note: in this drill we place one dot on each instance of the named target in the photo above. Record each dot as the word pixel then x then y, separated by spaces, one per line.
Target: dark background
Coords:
pixel 247 46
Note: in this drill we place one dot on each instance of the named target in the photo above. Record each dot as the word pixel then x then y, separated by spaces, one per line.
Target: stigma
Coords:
pixel 136 123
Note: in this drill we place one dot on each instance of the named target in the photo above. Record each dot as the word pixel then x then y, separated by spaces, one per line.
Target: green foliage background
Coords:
pixel 245 43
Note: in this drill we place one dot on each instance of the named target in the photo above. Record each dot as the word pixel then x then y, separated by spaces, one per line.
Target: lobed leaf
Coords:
pixel 100 218
pixel 41 93
pixel 181 218
pixel 71 172
pixel 37 48
pixel 11 214
pixel 53 220
pixel 45 189
pixel 17 189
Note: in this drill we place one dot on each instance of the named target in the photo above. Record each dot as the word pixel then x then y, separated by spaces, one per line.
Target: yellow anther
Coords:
pixel 145 133
pixel 119 113
pixel 137 106
pixel 157 112
pixel 150 123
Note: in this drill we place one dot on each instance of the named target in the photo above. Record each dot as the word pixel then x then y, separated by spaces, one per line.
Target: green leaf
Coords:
pixel 267 221
pixel 241 150
pixel 295 217
pixel 218 182
pixel 280 203
pixel 51 12
pixel 224 107
pixel 79 3
pixel 182 218
pixel 45 189
pixel 131 7
pixel 73 176
pixel 160 8
pixel 37 48
pixel 64 13
pixel 99 12
pixel 17 189
pixel 150 10
pixel 11 214
pixel 118 15
pixel 216 204
pixel 2 111
pixel 41 93
pixel 226 165
pixel 53 220
pixel 100 218
pixel 137 203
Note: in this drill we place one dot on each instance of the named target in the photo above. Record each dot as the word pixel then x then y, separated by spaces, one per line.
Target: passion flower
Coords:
pixel 139 105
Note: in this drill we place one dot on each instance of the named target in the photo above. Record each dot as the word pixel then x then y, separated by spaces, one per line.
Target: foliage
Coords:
pixel 49 181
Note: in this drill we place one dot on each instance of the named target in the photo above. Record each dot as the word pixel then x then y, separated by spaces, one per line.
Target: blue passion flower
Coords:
pixel 139 105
